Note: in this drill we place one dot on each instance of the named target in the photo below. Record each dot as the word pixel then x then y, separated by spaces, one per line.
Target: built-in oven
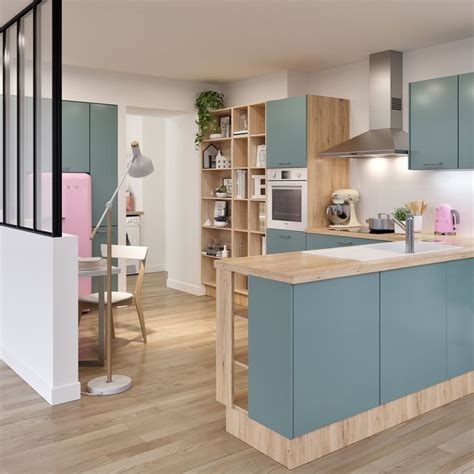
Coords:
pixel 287 197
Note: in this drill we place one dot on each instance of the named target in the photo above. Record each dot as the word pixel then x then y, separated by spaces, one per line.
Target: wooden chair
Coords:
pixel 128 252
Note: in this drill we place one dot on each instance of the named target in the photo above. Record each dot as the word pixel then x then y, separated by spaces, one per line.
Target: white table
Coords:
pixel 99 272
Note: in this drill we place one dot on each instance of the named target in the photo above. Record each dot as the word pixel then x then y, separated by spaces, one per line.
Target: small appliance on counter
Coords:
pixel 341 213
pixel 446 220
pixel 383 224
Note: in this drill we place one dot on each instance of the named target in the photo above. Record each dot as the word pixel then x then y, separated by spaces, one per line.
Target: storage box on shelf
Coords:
pixel 245 231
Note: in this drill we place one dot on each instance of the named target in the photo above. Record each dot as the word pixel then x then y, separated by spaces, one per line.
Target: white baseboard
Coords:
pixel 160 267
pixel 53 395
pixel 197 290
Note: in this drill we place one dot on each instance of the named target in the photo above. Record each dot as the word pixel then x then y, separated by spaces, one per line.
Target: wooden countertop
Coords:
pixel 298 267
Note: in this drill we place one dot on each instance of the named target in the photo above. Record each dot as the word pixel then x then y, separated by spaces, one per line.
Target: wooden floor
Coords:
pixel 170 422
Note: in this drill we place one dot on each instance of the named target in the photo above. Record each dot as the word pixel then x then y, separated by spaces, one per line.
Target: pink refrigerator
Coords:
pixel 77 216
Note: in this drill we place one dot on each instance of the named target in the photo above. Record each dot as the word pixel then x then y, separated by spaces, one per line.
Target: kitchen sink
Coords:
pixel 367 253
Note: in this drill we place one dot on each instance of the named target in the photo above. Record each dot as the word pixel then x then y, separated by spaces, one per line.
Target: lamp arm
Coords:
pixel 110 202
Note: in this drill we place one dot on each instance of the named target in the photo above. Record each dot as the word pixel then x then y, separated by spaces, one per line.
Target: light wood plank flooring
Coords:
pixel 170 421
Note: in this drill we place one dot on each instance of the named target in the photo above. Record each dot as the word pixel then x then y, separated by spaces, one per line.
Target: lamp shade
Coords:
pixel 141 165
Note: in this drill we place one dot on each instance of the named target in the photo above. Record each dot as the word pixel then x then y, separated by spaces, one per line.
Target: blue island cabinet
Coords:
pixel 412 330
pixel 313 356
pixel 460 317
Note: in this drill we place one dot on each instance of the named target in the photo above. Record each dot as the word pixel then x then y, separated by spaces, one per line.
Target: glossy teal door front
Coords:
pixel 317 241
pixel 76 137
pixel 466 121
pixel 280 241
pixel 412 330
pixel 271 354
pixel 99 240
pixel 434 124
pixel 336 350
pixel 460 317
pixel 287 133
pixel 104 157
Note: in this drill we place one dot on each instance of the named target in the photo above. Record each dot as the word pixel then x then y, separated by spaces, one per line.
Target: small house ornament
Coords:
pixel 222 162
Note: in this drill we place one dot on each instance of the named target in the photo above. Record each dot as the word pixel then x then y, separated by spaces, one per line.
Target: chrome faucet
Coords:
pixel 409 228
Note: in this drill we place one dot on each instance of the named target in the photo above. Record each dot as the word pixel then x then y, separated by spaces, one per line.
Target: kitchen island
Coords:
pixel 341 349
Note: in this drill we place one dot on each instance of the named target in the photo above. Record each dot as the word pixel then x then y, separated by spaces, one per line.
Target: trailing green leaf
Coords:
pixel 206 102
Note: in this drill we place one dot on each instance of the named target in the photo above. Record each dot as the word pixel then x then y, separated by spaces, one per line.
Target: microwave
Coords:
pixel 287 197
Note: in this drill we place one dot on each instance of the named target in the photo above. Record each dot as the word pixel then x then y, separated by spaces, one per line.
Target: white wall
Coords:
pixel 38 312
pixel 386 183
pixel 183 220
pixel 131 90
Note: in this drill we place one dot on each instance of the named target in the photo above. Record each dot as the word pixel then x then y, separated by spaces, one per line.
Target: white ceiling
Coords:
pixel 227 40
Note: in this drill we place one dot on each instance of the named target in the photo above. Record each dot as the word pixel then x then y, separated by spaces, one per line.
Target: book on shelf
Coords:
pixel 241 184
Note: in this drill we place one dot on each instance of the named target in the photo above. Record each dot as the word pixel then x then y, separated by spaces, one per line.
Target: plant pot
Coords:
pixel 398 229
pixel 222 195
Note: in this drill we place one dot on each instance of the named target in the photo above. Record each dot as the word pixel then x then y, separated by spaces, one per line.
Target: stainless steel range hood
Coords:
pixel 386 136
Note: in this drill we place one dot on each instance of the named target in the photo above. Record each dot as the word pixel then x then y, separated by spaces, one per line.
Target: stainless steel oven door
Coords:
pixel 287 205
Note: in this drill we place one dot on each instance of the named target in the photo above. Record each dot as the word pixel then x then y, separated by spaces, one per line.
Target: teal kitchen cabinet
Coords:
pixel 460 317
pixel 434 124
pixel 287 133
pixel 103 157
pixel 76 137
pixel 270 353
pixel 312 362
pixel 466 121
pixel 99 240
pixel 412 330
pixel 318 241
pixel 336 350
pixel 280 241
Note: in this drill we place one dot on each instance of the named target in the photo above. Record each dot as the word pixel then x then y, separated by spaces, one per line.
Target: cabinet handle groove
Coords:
pixel 345 244
pixel 432 163
pixel 285 164
pixel 286 237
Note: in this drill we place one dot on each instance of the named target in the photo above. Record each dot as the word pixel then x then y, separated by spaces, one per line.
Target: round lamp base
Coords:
pixel 100 386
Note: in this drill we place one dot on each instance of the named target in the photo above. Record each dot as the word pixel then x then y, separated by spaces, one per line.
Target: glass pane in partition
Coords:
pixel 26 121
pixel 44 118
pixel 1 132
pixel 11 125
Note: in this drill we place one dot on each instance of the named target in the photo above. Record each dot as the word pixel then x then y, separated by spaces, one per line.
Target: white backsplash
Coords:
pixel 386 183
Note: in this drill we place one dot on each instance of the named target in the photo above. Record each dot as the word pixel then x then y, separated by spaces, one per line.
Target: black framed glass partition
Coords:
pixel 30 119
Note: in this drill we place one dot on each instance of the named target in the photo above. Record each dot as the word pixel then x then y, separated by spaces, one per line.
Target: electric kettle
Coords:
pixel 446 219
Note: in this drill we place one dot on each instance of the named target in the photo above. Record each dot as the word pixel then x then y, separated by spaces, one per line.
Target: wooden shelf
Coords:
pixel 214 140
pixel 216 169
pixel 216 199
pixel 243 236
pixel 214 227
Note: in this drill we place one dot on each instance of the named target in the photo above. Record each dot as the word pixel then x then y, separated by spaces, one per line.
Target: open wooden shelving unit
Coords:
pixel 243 237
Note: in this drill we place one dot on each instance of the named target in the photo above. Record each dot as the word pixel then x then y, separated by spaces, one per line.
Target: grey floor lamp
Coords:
pixel 139 167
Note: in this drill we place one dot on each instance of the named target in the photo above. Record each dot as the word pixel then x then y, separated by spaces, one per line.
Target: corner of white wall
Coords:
pixel 38 311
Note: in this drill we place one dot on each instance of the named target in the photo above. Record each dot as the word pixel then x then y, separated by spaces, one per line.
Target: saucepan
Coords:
pixel 383 224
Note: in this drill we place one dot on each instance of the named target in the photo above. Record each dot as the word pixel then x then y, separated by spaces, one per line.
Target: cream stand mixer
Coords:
pixel 341 213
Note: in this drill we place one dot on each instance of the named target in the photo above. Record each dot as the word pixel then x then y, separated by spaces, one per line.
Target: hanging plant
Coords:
pixel 206 102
